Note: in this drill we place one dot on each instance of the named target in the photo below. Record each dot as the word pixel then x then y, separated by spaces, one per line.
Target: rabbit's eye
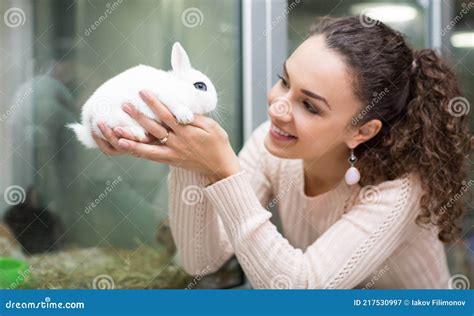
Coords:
pixel 200 86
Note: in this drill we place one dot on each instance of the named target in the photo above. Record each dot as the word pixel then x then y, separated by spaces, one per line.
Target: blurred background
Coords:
pixel 85 220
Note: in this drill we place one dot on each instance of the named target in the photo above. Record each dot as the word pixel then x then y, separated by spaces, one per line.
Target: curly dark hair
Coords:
pixel 416 96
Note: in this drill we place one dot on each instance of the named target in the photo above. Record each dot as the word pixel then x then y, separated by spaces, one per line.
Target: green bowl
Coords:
pixel 13 272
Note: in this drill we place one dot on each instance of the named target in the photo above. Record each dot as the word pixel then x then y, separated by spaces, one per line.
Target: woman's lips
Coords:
pixel 279 134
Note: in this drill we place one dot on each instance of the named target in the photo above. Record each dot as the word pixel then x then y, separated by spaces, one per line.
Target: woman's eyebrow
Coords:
pixel 316 96
pixel 308 93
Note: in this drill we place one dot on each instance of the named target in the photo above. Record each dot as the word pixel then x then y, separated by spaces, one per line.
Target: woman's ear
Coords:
pixel 364 133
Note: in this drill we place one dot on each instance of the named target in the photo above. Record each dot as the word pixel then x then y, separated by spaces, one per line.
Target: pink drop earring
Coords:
pixel 352 175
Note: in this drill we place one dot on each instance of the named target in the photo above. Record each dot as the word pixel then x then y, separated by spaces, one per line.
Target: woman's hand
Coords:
pixel 110 146
pixel 203 145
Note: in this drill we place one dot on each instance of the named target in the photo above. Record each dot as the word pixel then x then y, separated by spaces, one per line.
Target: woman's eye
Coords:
pixel 283 81
pixel 310 108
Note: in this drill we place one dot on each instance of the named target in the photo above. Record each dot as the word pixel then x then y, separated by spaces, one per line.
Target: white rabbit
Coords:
pixel 183 90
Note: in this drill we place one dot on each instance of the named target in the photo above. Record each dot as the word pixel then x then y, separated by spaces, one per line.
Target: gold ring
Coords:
pixel 164 139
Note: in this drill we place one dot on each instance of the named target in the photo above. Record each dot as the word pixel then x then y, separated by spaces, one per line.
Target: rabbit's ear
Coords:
pixel 179 58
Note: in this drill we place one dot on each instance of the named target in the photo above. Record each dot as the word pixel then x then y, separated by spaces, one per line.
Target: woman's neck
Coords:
pixel 324 173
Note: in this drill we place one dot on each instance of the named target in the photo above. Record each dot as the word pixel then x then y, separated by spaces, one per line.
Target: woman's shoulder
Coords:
pixel 406 185
pixel 400 196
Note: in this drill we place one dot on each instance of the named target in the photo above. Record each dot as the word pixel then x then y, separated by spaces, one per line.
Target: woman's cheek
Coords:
pixel 313 135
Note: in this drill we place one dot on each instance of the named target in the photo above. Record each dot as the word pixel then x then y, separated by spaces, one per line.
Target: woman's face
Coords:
pixel 314 102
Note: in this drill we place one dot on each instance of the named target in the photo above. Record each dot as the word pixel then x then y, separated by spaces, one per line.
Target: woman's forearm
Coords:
pixel 197 230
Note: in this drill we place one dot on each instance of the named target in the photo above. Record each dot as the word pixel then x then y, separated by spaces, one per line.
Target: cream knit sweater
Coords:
pixel 348 237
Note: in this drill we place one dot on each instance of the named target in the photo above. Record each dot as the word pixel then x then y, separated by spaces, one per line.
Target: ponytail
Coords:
pixel 437 124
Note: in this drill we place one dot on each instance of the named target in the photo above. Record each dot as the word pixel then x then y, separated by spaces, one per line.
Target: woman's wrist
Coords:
pixel 225 172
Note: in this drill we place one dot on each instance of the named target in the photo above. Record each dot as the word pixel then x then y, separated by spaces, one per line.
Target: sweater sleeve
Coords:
pixel 201 240
pixel 342 257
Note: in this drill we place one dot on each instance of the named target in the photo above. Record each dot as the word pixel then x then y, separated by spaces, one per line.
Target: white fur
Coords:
pixel 174 88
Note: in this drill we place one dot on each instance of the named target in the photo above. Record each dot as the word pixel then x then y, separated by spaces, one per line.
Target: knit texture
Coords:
pixel 348 237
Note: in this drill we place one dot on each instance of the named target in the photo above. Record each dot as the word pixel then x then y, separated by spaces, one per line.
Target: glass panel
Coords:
pixel 83 218
pixel 405 16
pixel 458 47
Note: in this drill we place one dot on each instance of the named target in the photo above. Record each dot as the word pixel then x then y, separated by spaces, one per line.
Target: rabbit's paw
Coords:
pixel 183 115
pixel 138 132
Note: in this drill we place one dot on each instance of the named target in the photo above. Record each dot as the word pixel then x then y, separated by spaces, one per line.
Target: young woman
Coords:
pixel 351 101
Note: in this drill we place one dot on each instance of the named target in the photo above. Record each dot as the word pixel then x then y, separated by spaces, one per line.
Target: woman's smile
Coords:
pixel 279 134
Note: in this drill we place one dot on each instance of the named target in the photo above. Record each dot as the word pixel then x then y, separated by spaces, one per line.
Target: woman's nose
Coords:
pixel 280 109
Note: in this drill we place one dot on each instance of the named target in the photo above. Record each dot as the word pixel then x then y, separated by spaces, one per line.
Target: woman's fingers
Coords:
pixel 151 126
pixel 160 110
pixel 203 122
pixel 109 134
pixel 147 151
pixel 105 147
pixel 168 118
pixel 121 132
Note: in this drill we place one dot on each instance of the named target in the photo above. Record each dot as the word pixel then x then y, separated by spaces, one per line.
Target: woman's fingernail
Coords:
pixel 123 143
pixel 101 126
pixel 127 108
pixel 145 95
pixel 118 131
